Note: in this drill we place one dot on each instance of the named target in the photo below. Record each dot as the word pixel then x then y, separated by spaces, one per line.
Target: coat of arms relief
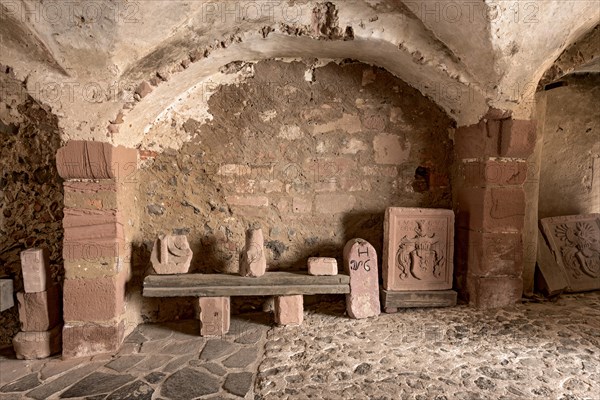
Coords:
pixel 418 256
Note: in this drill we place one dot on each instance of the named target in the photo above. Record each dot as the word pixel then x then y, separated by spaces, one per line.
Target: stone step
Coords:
pixel 392 300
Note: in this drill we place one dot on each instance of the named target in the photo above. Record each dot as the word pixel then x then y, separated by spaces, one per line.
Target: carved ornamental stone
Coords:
pixel 575 243
pixel 253 261
pixel 171 255
pixel 418 249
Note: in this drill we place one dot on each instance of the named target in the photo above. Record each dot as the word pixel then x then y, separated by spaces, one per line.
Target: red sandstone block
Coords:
pixel 495 254
pixel 35 266
pixel 477 141
pixel 517 138
pixel 91 195
pixel 491 209
pixel 96 160
pixel 322 266
pixel 486 173
pixel 89 225
pixel 93 250
pixel 93 300
pixel 34 345
pixel 289 310
pixel 494 292
pixel 90 339
pixel 40 311
pixel 214 316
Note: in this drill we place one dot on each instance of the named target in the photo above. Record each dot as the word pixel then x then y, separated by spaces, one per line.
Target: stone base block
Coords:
pixel 91 339
pixel 392 300
pixel 289 310
pixel 214 316
pixel 7 299
pixel 494 292
pixel 41 311
pixel 33 345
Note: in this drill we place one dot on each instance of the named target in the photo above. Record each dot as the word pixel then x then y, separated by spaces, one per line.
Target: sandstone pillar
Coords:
pixel 490 208
pixel 97 243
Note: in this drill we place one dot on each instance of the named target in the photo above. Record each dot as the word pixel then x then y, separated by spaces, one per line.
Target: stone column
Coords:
pixel 97 244
pixel 490 208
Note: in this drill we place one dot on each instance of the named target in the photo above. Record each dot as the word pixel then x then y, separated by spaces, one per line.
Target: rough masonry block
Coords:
pixel 35 266
pixel 517 138
pixel 494 292
pixel 491 209
pixel 418 249
pixel 289 310
pixel 214 315
pixel 492 172
pixel 40 311
pixel 96 195
pixel 477 141
pixel 322 266
pixel 94 300
pixel 360 262
pixel 34 345
pixel 90 339
pixel 96 160
pixel 495 254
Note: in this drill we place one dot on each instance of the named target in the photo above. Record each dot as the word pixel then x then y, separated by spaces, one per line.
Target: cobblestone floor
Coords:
pixel 547 350
pixel 532 351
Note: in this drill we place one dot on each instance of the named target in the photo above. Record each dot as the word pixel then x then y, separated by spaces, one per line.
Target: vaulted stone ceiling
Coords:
pixel 86 59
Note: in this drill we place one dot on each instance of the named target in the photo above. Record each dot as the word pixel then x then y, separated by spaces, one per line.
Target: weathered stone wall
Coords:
pixel 31 194
pixel 312 156
pixel 570 159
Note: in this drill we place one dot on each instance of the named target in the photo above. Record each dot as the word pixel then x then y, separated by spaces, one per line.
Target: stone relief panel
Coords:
pixel 575 243
pixel 418 249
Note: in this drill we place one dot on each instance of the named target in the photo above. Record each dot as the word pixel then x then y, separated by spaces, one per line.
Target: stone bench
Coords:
pixel 215 290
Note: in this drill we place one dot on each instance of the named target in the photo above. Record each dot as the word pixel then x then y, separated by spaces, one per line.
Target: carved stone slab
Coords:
pixel 360 262
pixel 575 243
pixel 418 249
pixel 252 259
pixel 171 255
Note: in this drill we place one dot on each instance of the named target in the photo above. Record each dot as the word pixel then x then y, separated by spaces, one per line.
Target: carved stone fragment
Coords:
pixel 252 259
pixel 171 255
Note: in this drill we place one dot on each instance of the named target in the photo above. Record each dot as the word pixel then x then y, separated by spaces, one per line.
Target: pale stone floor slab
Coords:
pixel 548 350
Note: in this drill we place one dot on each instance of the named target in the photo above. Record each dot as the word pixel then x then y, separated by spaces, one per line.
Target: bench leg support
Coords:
pixel 289 310
pixel 214 315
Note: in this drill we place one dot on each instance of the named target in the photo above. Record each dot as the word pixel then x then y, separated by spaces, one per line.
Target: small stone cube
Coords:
pixel 35 265
pixel 40 311
pixel 289 310
pixel 322 266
